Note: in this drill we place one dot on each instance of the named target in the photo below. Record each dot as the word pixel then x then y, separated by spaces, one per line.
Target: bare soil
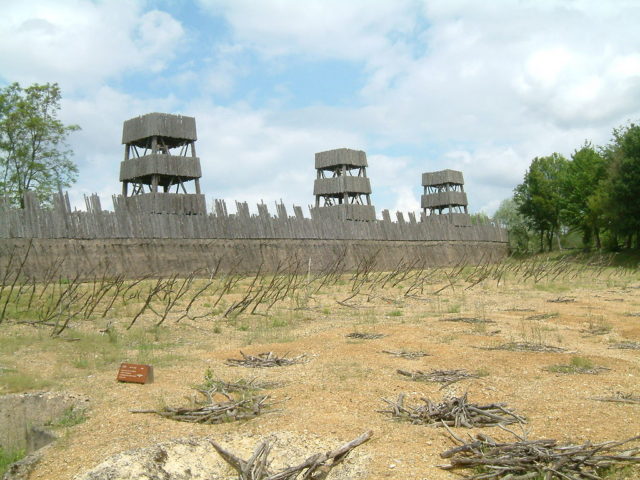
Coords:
pixel 336 395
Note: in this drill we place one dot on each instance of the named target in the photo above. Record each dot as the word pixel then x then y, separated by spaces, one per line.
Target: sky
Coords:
pixel 419 85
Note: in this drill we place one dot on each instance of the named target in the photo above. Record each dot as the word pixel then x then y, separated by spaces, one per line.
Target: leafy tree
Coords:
pixel 509 217
pixel 583 199
pixel 34 154
pixel 624 182
pixel 539 197
pixel 479 218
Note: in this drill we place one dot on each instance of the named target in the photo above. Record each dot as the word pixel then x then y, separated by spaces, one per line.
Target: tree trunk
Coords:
pixel 596 234
pixel 558 238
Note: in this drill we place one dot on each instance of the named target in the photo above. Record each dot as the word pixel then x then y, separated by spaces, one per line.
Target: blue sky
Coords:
pixel 482 87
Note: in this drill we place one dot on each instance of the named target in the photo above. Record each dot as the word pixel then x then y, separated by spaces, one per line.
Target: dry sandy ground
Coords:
pixel 337 395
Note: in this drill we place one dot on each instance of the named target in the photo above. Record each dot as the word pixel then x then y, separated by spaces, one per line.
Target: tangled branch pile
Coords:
pixel 527 347
pixel 562 300
pixel 620 397
pixel 264 360
pixel 626 346
pixel 365 335
pixel 447 377
pixel 542 316
pixel 539 459
pixel 213 385
pixel 453 412
pixel 316 466
pixel 212 412
pixel 473 320
pixel 406 354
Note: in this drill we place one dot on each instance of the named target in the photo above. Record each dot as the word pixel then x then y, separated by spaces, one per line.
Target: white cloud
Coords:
pixel 82 43
pixel 324 28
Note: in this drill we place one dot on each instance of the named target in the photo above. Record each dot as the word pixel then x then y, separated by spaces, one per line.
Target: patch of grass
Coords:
pixel 576 365
pixel 448 338
pixel 157 359
pixel 271 330
pixel 552 287
pixel 598 327
pixel 12 381
pixel 279 323
pixel 395 313
pixel 346 371
pixel 70 417
pixel 11 344
pixel 455 308
pixel 533 333
pixel 80 362
pixel 7 457
pixel 627 472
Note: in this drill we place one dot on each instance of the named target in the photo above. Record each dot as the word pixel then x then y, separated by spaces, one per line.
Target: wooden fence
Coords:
pixel 60 221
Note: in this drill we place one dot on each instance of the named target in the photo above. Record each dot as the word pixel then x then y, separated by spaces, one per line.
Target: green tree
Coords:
pixel 583 197
pixel 34 154
pixel 509 217
pixel 479 218
pixel 624 182
pixel 539 196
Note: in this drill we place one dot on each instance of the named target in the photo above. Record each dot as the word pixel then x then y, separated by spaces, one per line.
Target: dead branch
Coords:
pixel 544 459
pixel 316 467
pixel 620 397
pixel 406 354
pixel 626 345
pixel 446 377
pixel 452 412
pixel 365 335
pixel 527 347
pixel 473 320
pixel 265 360
pixel 212 412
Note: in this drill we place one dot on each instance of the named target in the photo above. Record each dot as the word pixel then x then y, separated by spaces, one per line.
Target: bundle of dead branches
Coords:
pixel 473 320
pixel 543 459
pixel 562 300
pixel 542 316
pixel 213 412
pixel 626 345
pixel 214 385
pixel 317 466
pixel 264 360
pixel 527 347
pixel 453 412
pixel 411 355
pixel 365 335
pixel 446 377
pixel 620 397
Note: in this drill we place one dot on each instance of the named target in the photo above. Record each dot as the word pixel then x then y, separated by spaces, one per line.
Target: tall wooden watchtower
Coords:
pixel 444 193
pixel 341 188
pixel 159 163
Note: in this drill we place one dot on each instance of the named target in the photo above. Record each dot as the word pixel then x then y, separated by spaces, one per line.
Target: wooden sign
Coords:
pixel 134 373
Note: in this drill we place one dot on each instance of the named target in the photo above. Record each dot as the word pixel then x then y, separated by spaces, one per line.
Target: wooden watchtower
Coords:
pixel 341 188
pixel 444 193
pixel 159 163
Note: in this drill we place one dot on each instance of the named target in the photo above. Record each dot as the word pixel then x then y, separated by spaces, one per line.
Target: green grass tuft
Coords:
pixel 7 457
